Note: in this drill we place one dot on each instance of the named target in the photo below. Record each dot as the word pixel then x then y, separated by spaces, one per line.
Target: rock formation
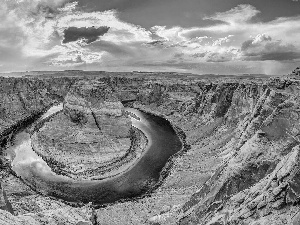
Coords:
pixel 91 129
pixel 240 164
pixel 296 72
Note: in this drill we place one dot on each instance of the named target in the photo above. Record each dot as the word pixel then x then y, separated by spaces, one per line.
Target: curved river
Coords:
pixel 138 179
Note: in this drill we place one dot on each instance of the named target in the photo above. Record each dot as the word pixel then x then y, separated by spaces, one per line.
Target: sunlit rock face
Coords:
pixel 263 120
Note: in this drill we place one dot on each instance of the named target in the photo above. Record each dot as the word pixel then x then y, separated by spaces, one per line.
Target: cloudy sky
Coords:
pixel 198 36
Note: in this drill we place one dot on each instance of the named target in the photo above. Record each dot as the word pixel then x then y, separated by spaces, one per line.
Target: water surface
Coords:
pixel 136 180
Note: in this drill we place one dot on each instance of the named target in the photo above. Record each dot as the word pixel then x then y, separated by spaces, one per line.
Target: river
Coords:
pixel 136 180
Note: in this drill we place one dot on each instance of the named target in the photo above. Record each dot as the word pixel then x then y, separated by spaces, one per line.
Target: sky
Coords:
pixel 193 36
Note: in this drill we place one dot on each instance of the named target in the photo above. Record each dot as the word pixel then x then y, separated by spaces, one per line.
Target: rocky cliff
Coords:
pixel 296 72
pixel 240 164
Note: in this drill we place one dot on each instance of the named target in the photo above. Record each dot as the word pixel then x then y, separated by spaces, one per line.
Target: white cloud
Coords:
pixel 220 46
pixel 27 29
pixel 32 31
pixel 262 48
pixel 68 7
pixel 261 38
pixel 223 40
pixel 119 31
pixel 174 34
pixel 240 14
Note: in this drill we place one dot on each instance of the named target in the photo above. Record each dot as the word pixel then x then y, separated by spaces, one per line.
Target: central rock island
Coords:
pixel 126 177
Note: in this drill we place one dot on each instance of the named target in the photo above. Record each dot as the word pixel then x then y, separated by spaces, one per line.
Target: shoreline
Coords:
pixel 58 186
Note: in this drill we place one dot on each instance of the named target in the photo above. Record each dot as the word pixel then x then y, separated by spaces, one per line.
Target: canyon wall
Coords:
pixel 240 164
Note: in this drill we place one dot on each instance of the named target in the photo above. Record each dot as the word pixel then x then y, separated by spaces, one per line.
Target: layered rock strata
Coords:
pixel 242 163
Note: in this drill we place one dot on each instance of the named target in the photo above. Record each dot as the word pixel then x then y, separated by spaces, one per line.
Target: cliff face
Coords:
pixel 244 128
pixel 251 126
pixel 22 101
pixel 296 72
pixel 21 98
pixel 241 165
pixel 263 120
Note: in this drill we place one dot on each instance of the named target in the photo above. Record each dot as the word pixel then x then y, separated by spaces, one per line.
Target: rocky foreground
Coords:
pixel 240 165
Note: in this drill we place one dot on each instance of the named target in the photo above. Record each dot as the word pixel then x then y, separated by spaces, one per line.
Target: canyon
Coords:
pixel 239 162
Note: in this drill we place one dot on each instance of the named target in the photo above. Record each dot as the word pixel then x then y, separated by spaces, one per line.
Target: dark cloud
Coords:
pixel 199 55
pixel 112 48
pixel 263 48
pixel 155 43
pixel 255 42
pixel 216 56
pixel 185 13
pixel 45 8
pixel 178 55
pixel 102 5
pixel 90 34
pixel 48 11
